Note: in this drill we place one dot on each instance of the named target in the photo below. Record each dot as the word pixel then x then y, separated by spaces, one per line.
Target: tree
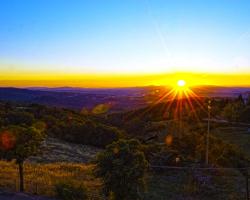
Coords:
pixel 122 166
pixel 232 111
pixel 88 132
pixel 7 107
pixel 18 143
pixel 248 100
pixel 245 115
pixel 20 118
pixel 240 99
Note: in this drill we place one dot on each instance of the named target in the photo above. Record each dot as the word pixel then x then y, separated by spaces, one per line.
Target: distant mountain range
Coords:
pixel 77 98
pixel 117 99
pixel 219 91
pixel 134 91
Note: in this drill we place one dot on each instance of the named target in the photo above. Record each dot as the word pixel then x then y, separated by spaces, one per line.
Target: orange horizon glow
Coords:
pixel 124 80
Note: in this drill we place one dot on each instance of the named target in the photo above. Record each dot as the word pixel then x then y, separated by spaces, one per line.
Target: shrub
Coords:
pixel 88 132
pixel 122 168
pixel 68 190
pixel 232 111
pixel 19 118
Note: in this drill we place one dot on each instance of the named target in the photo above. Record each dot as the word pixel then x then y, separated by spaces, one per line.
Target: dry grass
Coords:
pixel 41 178
pixel 235 135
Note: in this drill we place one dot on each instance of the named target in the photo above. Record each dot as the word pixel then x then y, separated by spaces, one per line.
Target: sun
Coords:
pixel 181 89
pixel 181 83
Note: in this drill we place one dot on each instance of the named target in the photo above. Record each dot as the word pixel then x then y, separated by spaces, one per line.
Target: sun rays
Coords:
pixel 177 103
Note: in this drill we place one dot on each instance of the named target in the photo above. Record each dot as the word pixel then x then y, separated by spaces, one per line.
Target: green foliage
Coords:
pixel 25 142
pixel 190 148
pixel 18 143
pixel 60 123
pixel 87 132
pixel 189 145
pixel 122 167
pixel 226 155
pixel 245 115
pixel 232 111
pixel 135 125
pixel 68 190
pixel 20 118
pixel 76 127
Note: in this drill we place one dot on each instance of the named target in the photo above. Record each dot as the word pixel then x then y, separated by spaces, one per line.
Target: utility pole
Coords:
pixel 247 185
pixel 247 188
pixel 208 130
pixel 246 175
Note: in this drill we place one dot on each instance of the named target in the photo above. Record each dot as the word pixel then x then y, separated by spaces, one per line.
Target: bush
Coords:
pixel 67 190
pixel 19 118
pixel 88 132
pixel 122 168
pixel 232 111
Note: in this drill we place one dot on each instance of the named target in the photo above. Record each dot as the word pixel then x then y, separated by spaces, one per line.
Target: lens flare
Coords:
pixel 101 108
pixel 169 140
pixel 7 140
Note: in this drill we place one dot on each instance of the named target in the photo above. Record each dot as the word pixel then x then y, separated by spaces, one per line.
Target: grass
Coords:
pixel 41 178
pixel 180 185
pixel 235 135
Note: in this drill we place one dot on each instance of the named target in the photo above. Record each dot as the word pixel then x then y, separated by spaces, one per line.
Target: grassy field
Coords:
pixel 41 178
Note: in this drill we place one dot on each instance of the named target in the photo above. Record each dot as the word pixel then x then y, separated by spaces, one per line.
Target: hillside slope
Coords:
pixel 55 150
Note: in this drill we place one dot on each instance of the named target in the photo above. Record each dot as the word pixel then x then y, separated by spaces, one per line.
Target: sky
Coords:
pixel 124 43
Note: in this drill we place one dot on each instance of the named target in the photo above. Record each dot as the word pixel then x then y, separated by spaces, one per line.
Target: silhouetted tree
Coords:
pixel 18 143
pixel 240 99
pixel 248 100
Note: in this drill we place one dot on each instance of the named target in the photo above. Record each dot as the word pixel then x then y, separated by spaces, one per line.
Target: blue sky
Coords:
pixel 129 36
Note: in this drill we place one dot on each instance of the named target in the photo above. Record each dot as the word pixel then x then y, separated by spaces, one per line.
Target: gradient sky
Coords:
pixel 47 39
